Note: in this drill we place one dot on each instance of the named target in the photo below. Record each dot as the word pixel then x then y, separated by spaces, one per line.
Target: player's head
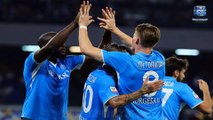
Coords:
pixel 45 38
pixel 146 35
pixel 118 47
pixel 176 67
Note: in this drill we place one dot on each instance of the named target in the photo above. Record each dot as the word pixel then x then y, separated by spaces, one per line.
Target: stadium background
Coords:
pixel 22 21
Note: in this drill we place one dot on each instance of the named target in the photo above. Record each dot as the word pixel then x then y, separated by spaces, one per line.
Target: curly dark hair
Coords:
pixel 173 63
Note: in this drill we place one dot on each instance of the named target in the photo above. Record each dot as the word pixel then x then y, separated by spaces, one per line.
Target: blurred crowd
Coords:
pixel 13 113
pixel 12 89
pixel 165 13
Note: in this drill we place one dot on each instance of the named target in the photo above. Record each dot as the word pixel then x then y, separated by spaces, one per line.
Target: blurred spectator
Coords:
pixel 164 13
pixel 11 86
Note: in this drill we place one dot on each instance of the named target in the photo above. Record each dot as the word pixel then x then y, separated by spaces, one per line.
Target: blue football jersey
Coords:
pixel 47 87
pixel 175 96
pixel 132 70
pixel 98 90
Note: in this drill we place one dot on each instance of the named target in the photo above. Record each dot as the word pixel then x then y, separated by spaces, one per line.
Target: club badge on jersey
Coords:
pixel 113 89
pixel 195 95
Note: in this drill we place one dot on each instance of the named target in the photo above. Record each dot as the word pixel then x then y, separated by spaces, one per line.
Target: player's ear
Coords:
pixel 137 41
pixel 176 73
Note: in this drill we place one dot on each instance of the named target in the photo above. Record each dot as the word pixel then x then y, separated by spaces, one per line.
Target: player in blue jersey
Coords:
pixel 130 68
pixel 91 64
pixel 46 74
pixel 100 90
pixel 177 94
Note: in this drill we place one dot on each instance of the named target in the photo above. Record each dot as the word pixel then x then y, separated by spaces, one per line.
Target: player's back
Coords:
pixel 138 68
pixel 175 96
pixel 96 94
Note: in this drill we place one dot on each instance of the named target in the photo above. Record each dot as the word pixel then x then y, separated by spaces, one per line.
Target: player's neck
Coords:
pixel 53 60
pixel 109 69
pixel 144 50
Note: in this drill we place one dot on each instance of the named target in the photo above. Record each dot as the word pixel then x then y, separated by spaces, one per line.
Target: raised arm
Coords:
pixel 55 42
pixel 108 23
pixel 122 100
pixel 85 45
pixel 206 105
pixel 106 40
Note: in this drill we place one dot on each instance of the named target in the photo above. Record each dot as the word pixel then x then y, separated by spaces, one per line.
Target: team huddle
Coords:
pixel 134 82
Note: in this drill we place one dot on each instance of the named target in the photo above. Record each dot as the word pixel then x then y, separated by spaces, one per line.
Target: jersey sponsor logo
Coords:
pixel 63 66
pixel 52 73
pixel 63 76
pixel 59 76
pixel 113 89
pixel 195 95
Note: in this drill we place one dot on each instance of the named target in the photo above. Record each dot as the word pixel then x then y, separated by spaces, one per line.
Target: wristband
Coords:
pixel 84 27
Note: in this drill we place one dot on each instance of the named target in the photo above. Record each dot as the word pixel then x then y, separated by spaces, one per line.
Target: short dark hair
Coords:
pixel 44 38
pixel 117 47
pixel 173 63
pixel 149 34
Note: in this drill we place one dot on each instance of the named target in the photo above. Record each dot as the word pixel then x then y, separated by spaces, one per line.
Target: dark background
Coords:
pixel 22 21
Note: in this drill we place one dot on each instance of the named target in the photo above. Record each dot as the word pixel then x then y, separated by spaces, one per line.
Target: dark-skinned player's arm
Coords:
pixel 109 23
pixel 55 42
pixel 107 37
pixel 106 40
pixel 122 100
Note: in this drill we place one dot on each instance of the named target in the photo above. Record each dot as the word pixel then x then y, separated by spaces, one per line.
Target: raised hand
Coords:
pixel 85 19
pixel 108 20
pixel 77 18
pixel 149 87
pixel 203 85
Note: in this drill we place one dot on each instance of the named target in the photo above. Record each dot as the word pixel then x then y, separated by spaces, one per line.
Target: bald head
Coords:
pixel 45 38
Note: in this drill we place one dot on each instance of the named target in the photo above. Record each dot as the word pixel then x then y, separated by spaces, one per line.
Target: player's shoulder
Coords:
pixel 158 54
pixel 30 59
pixel 99 74
pixel 116 53
pixel 30 56
pixel 182 84
pixel 74 57
pixel 182 87
pixel 99 71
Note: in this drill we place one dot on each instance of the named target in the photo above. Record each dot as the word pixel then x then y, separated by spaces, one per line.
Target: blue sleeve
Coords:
pixel 106 89
pixel 31 67
pixel 117 60
pixel 189 96
pixel 75 61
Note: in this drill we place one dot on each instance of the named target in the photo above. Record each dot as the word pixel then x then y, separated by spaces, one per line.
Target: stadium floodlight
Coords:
pixel 29 48
pixel 187 52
